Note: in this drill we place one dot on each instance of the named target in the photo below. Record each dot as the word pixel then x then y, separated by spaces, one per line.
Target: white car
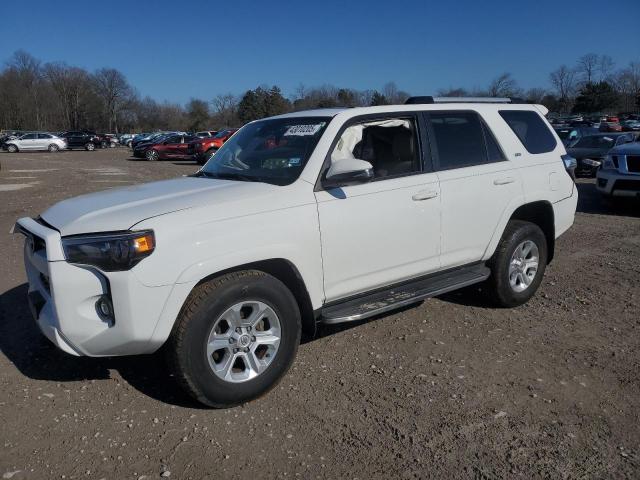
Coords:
pixel 311 217
pixel 620 172
pixel 36 141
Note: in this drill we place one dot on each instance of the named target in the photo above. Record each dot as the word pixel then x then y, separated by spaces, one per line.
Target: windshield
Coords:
pixel 273 151
pixel 595 142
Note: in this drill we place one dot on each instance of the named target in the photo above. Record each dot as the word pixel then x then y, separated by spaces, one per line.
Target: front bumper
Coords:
pixel 63 299
pixel 613 183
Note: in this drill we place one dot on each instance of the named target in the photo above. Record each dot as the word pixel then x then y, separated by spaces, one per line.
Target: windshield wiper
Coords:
pixel 227 176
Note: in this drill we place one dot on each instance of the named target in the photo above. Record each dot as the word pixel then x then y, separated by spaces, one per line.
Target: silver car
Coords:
pixel 36 141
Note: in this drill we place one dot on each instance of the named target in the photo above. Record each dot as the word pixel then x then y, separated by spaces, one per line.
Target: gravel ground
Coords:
pixel 446 389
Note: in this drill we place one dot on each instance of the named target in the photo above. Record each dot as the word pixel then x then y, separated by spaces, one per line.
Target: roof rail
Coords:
pixel 430 99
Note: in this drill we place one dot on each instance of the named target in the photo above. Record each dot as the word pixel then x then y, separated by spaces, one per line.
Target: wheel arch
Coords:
pixel 280 268
pixel 541 214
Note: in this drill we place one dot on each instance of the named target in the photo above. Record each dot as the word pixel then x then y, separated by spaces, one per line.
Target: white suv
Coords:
pixel 320 216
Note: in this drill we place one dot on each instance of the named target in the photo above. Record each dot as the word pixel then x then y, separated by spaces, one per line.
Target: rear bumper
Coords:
pixel 63 299
pixel 613 183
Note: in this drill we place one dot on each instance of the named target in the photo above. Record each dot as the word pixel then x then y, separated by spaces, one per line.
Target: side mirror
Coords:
pixel 348 171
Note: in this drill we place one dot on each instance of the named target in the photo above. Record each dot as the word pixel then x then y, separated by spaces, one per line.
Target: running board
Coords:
pixel 400 295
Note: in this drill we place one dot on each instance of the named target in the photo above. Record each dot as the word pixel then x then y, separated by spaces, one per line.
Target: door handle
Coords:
pixel 424 195
pixel 504 181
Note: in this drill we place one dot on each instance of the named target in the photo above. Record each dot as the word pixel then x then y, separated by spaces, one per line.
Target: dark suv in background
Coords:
pixel 83 139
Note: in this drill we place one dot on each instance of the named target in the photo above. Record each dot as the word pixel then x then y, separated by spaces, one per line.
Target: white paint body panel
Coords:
pixel 342 242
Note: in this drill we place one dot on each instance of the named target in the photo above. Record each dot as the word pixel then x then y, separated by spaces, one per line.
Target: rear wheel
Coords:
pixel 104 144
pixel 90 147
pixel 518 265
pixel 112 145
pixel 53 147
pixel 152 155
pixel 235 338
pixel 12 149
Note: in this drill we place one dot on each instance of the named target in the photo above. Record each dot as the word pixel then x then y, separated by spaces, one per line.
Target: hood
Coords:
pixel 578 153
pixel 632 148
pixel 121 208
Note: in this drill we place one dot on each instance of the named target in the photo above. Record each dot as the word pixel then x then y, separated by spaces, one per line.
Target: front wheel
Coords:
pixel 112 145
pixel 235 337
pixel 518 265
pixel 12 149
pixel 151 155
pixel 53 148
pixel 89 147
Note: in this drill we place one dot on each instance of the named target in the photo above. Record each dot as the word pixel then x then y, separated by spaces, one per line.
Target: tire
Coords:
pixel 203 318
pixel 103 145
pixel 12 149
pixel 53 148
pixel 208 155
pixel 89 147
pixel 499 287
pixel 129 144
pixel 151 155
pixel 112 145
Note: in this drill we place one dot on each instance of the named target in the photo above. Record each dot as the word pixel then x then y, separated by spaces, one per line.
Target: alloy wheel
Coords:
pixel 523 266
pixel 243 341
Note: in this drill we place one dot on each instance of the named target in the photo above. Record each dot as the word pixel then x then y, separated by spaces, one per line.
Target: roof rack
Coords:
pixel 429 99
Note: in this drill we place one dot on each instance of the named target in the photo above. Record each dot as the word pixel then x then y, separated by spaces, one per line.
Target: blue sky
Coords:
pixel 173 50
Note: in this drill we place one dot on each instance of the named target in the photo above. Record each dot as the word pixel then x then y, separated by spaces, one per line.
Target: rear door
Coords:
pixel 44 140
pixel 477 183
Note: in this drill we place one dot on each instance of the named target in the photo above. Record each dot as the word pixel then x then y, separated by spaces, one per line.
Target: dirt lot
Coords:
pixel 447 389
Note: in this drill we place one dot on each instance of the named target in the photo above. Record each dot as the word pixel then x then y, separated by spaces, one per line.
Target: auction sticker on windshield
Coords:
pixel 302 130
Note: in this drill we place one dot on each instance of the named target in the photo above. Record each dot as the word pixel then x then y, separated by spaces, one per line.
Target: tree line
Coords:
pixel 56 96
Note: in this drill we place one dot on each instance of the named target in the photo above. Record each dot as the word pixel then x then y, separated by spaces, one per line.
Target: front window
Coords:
pixel 272 151
pixel 222 134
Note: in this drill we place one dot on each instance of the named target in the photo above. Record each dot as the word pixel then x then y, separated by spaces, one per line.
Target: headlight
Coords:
pixel 592 162
pixel 570 163
pixel 111 251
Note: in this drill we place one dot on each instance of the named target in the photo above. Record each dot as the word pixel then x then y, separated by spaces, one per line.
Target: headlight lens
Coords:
pixel 110 252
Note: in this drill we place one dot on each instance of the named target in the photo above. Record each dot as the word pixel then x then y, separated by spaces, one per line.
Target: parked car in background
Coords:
pixel 203 149
pixel 610 126
pixel 208 133
pixel 83 139
pixel 110 140
pixel 570 134
pixel 126 138
pixel 630 126
pixel 145 137
pixel 620 172
pixel 174 146
pixel 591 150
pixel 36 141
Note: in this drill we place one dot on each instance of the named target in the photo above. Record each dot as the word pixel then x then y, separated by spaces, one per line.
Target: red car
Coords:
pixel 204 148
pixel 610 126
pixel 175 146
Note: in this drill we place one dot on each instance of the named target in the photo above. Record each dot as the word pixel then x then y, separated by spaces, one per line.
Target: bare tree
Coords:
pixel 535 95
pixel 563 80
pixel 503 86
pixel 29 77
pixel 225 110
pixel 605 66
pixel 587 67
pixel 393 95
pixel 453 92
pixel 112 88
pixel 627 83
pixel 70 84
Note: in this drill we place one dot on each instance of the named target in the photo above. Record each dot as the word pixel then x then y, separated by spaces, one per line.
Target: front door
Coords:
pixel 386 230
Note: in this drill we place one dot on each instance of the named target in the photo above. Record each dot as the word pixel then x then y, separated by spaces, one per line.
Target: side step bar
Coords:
pixel 400 295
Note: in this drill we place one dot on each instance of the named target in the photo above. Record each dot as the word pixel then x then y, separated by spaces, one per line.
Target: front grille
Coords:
pixel 632 185
pixel 633 163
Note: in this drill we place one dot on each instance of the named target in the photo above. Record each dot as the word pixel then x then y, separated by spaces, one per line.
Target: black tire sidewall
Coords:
pixel 215 391
pixel 500 266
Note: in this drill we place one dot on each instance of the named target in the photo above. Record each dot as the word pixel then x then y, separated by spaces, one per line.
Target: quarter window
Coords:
pixel 390 145
pixel 531 129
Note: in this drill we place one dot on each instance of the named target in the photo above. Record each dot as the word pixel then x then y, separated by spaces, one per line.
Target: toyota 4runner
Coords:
pixel 322 216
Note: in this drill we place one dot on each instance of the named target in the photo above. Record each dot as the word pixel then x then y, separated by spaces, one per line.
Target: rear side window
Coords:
pixel 461 139
pixel 530 129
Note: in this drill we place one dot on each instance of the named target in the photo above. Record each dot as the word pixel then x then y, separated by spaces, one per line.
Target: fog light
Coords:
pixel 105 309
